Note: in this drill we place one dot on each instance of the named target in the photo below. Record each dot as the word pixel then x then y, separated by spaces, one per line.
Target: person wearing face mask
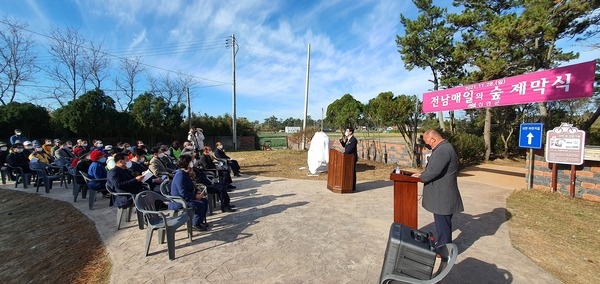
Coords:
pixel 157 166
pixel 41 155
pixel 350 148
pixel 138 168
pixel 47 146
pixel 440 185
pixel 166 157
pixel 233 164
pixel 121 179
pixel 16 158
pixel 206 160
pixel 27 148
pixel 18 137
pixel 97 170
pixel 64 152
pixel 98 145
pixel 183 185
pixel 188 149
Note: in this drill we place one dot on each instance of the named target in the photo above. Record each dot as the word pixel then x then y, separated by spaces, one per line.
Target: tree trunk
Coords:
pixel 441 120
pixel 486 133
pixel 452 126
pixel 585 126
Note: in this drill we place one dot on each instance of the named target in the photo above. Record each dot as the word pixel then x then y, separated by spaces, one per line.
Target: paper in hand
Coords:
pixel 147 175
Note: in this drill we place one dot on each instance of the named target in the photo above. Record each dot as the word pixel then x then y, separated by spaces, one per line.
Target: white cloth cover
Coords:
pixel 318 153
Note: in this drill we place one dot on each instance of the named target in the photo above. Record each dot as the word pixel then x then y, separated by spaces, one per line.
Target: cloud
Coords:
pixel 139 38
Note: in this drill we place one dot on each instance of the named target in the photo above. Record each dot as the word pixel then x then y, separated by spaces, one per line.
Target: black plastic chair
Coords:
pixel 43 175
pixel 165 190
pixel 145 202
pixel 20 176
pixel 92 195
pixel 448 254
pixel 122 210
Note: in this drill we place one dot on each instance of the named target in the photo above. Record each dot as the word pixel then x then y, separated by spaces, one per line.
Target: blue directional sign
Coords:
pixel 530 135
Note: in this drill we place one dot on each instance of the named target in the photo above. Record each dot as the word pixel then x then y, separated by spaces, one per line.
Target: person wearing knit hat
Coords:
pixel 97 170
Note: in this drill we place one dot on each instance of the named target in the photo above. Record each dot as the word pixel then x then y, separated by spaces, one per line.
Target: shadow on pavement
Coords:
pixel 374 184
pixel 471 270
pixel 473 227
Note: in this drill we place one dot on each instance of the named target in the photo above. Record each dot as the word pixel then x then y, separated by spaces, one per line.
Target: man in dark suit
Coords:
pixel 350 148
pixel 121 179
pixel 440 190
pixel 233 164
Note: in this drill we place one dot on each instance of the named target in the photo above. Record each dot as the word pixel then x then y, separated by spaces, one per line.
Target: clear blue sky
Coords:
pixel 353 48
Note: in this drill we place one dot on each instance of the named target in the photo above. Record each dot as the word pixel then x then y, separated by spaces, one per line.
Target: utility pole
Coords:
pixel 234 48
pixel 189 107
pixel 306 100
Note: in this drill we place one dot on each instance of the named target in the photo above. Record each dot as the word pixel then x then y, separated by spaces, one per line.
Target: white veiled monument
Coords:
pixel 318 153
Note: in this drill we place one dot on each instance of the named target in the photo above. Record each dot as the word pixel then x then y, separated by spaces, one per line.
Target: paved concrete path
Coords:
pixel 297 231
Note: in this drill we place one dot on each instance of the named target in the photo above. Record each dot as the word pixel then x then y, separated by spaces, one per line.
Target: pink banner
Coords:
pixel 569 82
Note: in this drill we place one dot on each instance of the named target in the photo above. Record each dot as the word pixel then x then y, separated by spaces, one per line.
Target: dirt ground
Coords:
pixel 49 241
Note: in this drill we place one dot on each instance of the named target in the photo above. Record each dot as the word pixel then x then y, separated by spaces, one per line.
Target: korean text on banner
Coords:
pixel 568 82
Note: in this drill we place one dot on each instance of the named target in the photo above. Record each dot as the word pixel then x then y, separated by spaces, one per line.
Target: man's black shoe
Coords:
pixel 231 186
pixel 200 227
pixel 227 209
pixel 237 174
pixel 231 205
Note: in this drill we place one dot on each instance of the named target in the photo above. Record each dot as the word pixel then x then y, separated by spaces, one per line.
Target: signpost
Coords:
pixel 565 145
pixel 530 135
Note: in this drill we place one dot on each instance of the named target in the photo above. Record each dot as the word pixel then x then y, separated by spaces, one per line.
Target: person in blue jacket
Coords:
pixel 183 186
pixel 97 170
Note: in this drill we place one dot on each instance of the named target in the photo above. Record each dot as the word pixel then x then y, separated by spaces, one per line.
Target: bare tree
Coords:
pixel 174 90
pixel 18 61
pixel 68 70
pixel 97 63
pixel 131 68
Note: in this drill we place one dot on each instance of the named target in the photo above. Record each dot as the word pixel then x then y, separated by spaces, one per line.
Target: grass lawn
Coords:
pixel 561 234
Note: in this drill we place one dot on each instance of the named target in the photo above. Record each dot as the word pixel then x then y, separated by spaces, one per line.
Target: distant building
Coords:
pixel 292 129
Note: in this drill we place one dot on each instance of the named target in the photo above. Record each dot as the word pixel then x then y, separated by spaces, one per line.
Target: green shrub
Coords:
pixel 470 148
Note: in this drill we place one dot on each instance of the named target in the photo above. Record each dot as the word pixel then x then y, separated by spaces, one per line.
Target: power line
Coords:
pixel 144 64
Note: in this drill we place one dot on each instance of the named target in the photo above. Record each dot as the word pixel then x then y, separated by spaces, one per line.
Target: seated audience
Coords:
pixel 188 149
pixel 157 166
pixel 121 179
pixel 41 155
pixel 166 158
pixel 138 167
pixel 216 188
pixel 64 152
pixel 27 148
pixel 175 151
pixel 97 146
pixel 17 159
pixel 48 147
pixel 55 146
pixel 97 170
pixel 184 187
pixel 207 163
pixel 233 164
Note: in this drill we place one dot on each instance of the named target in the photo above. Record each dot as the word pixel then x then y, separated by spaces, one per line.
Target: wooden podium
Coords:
pixel 340 172
pixel 405 198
